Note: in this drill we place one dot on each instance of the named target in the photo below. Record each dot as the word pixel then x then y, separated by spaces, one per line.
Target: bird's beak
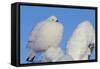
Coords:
pixel 91 46
pixel 57 21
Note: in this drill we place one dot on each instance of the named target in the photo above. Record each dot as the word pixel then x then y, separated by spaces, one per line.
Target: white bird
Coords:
pixel 44 35
pixel 82 42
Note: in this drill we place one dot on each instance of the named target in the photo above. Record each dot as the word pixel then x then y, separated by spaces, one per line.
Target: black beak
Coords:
pixel 57 21
pixel 91 46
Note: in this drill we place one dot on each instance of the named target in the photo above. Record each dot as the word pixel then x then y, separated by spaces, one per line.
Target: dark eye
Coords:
pixel 52 19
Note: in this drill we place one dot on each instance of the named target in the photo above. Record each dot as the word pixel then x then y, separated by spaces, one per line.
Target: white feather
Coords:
pixel 77 46
pixel 45 35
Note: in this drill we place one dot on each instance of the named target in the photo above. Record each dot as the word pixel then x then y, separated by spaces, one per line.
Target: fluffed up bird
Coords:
pixel 82 42
pixel 44 35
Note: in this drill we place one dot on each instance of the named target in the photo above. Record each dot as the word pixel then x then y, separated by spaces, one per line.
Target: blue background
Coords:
pixel 69 17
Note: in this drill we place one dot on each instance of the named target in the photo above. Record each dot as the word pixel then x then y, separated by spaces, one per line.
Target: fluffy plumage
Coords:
pixel 81 42
pixel 46 34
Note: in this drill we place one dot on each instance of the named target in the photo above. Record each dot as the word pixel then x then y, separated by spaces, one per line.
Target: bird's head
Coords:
pixel 52 19
pixel 91 47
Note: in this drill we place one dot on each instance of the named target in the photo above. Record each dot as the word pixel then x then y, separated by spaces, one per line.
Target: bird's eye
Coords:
pixel 52 20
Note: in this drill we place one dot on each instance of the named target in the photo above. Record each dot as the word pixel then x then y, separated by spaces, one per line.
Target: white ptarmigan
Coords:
pixel 82 42
pixel 44 35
